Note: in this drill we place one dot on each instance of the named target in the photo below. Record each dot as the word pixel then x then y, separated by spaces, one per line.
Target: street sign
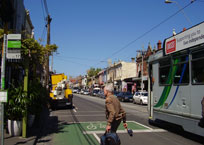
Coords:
pixel 3 96
pixel 13 46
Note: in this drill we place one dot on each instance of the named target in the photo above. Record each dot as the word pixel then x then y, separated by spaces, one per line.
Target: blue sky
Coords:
pixel 88 32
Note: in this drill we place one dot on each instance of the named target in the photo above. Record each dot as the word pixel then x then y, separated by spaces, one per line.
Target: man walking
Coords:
pixel 114 110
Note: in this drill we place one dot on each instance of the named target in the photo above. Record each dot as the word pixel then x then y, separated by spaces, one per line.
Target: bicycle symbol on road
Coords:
pixel 94 126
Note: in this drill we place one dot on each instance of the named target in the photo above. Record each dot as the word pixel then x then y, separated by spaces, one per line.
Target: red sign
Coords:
pixel 171 46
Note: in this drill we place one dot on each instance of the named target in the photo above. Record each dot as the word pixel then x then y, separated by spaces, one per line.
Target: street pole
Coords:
pixel 142 74
pixel 47 55
pixel 52 62
pixel 3 86
pixel 24 127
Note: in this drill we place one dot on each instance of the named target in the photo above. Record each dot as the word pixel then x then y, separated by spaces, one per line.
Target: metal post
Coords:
pixel 142 74
pixel 24 128
pixel 3 86
pixel 52 62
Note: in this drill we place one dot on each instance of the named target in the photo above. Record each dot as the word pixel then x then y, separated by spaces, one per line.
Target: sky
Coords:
pixel 89 32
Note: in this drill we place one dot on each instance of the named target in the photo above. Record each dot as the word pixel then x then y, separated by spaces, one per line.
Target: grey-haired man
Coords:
pixel 114 110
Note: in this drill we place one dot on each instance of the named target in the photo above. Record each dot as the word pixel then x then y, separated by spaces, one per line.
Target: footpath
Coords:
pixel 38 134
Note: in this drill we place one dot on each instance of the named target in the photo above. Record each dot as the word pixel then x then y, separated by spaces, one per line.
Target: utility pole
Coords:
pixel 3 66
pixel 47 55
pixel 3 85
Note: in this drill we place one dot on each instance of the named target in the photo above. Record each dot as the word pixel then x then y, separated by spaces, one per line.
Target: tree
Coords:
pixel 36 53
pixel 93 71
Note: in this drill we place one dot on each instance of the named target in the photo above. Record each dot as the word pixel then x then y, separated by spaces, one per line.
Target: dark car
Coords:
pixel 125 96
pixel 101 94
pixel 116 93
pixel 95 92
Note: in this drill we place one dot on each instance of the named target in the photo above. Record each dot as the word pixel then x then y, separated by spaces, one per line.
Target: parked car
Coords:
pixel 101 94
pixel 95 92
pixel 140 97
pixel 125 96
pixel 75 90
pixel 81 91
pixel 78 91
pixel 86 92
pixel 116 93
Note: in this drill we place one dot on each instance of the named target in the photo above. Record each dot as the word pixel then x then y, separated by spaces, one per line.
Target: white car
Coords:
pixel 140 97
pixel 86 92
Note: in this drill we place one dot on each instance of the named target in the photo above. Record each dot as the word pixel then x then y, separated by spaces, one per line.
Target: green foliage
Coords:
pixel 36 53
pixel 17 103
pixel 93 71
pixel 38 96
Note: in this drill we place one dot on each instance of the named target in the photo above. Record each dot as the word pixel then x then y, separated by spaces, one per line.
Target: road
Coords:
pixel 85 123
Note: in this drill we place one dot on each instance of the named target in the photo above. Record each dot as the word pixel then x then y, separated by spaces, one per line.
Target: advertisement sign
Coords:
pixel 189 38
pixel 13 46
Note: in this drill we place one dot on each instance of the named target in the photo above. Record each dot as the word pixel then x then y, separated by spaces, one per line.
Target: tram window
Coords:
pixel 164 71
pixel 198 67
pixel 182 74
pixel 181 68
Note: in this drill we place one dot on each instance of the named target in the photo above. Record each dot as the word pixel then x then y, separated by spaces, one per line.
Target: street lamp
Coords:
pixel 180 8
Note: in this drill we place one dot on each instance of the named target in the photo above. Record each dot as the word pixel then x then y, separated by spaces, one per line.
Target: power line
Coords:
pixel 77 58
pixel 144 34
pixel 43 11
pixel 46 8
pixel 43 35
pixel 73 62
pixel 44 19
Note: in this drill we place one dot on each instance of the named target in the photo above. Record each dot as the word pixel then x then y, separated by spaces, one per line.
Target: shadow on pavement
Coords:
pixel 176 129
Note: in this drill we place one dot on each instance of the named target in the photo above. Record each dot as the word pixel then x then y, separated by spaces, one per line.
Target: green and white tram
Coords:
pixel 176 80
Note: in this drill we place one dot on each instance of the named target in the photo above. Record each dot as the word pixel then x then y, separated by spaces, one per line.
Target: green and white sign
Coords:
pixel 13 46
pixel 3 96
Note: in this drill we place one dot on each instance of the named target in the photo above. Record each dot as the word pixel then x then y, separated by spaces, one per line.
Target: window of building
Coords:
pixel 180 70
pixel 197 65
pixel 164 71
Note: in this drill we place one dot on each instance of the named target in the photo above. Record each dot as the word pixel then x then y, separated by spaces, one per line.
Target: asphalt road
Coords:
pixel 85 123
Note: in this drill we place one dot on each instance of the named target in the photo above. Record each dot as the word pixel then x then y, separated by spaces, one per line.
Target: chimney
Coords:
pixel 133 59
pixel 184 29
pixel 159 45
pixel 174 32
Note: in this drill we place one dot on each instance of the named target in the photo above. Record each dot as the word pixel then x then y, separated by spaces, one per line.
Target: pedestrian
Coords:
pixel 114 111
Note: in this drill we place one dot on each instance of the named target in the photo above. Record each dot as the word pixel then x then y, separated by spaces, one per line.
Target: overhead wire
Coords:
pixel 76 58
pixel 145 33
pixel 73 62
pixel 46 8
pixel 44 18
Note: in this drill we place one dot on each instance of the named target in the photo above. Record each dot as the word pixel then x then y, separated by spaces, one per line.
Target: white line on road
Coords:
pixel 125 131
pixel 97 138
pixel 142 125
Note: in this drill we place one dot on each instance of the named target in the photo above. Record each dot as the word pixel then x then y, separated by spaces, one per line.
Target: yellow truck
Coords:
pixel 60 94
